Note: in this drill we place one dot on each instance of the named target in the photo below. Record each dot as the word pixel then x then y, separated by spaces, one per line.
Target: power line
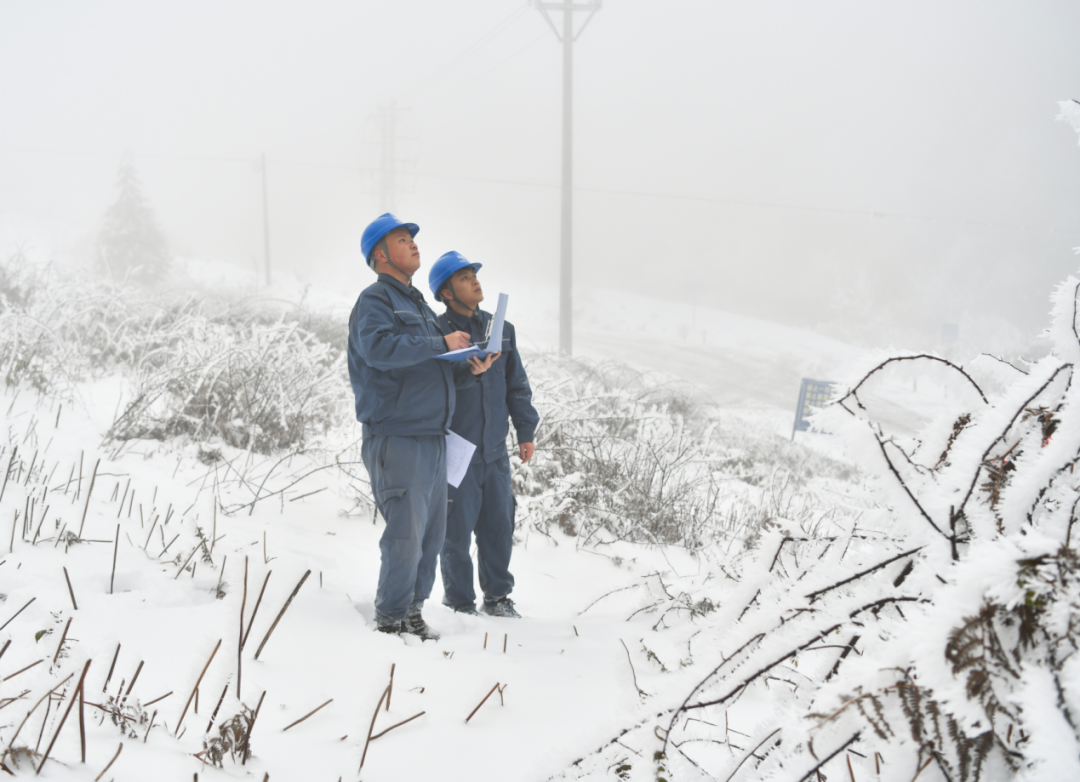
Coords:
pixel 871 213
pixel 474 47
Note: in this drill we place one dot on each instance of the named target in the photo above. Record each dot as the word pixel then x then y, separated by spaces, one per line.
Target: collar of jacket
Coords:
pixel 462 321
pixel 409 290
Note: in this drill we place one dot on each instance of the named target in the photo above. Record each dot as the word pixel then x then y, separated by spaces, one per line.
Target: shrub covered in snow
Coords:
pixel 623 455
pixel 201 366
pixel 263 387
pixel 935 637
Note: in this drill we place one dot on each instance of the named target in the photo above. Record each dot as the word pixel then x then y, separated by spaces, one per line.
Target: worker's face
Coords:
pixel 403 250
pixel 466 288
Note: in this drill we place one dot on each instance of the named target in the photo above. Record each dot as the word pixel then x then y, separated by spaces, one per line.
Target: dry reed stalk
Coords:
pixel 159 698
pixel 60 536
pixel 398 725
pixel 363 757
pixel 63 637
pixel 221 700
pixel 281 614
pixel 32 710
pixel 5 647
pixel 40 524
pixel 70 591
pixel 111 668
pixel 116 548
pixel 151 725
pixel 126 487
pixel 71 703
pixel 21 670
pixel 152 525
pixel 184 566
pixel 133 680
pixel 99 776
pixel 82 725
pixel 641 692
pixel 240 638
pixel 193 689
pixel 310 713
pixel 213 530
pixel 14 522
pixel 9 621
pixel 255 610
pixel 485 640
pixel 167 547
pixel 391 692
pixel 78 490
pixel 89 492
pixel 7 474
pixel 505 637
pixel 251 728
pixel 5 702
pixel 481 703
pixel 501 691
pixel 58 411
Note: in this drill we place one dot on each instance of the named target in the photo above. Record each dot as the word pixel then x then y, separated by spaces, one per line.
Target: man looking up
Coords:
pixel 405 400
pixel 484 502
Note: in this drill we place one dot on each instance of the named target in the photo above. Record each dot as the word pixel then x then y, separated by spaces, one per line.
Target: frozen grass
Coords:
pixel 639 457
pixel 254 374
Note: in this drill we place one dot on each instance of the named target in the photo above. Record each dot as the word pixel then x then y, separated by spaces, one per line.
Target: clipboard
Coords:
pixel 494 337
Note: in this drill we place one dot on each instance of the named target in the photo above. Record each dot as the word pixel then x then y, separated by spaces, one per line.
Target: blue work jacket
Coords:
pixel 400 388
pixel 502 394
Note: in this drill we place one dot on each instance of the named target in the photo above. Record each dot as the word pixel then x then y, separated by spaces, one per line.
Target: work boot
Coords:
pixel 502 606
pixel 469 609
pixel 394 628
pixel 414 624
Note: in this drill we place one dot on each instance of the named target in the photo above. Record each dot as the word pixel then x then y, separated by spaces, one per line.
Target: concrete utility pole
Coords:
pixel 266 217
pixel 389 165
pixel 567 36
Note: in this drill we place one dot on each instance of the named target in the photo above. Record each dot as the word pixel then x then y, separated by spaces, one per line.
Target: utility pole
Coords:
pixel 389 164
pixel 566 243
pixel 266 218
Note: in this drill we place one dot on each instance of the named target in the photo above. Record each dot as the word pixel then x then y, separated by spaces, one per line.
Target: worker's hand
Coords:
pixel 459 340
pixel 526 451
pixel 480 366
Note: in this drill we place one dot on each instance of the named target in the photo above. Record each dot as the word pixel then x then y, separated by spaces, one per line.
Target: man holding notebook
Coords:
pixel 483 503
pixel 405 400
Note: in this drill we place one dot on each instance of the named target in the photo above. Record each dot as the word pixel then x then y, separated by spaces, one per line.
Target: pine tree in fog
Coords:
pixel 130 244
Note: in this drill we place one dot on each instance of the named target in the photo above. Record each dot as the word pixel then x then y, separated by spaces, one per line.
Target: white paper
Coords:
pixel 494 343
pixel 459 453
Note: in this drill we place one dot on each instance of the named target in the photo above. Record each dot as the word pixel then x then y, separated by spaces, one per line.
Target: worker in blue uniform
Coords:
pixel 483 504
pixel 405 400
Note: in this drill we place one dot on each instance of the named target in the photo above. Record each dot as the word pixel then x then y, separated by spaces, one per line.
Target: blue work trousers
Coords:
pixel 483 504
pixel 408 480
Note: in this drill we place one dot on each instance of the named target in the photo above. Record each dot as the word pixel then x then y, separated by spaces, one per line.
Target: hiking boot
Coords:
pixel 468 609
pixel 502 606
pixel 394 628
pixel 414 624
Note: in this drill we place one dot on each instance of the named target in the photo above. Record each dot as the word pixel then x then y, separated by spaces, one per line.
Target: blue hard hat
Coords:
pixel 380 227
pixel 447 264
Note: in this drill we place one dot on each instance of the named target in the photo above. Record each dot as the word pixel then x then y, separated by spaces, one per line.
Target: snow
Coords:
pixel 616 634
pixel 568 669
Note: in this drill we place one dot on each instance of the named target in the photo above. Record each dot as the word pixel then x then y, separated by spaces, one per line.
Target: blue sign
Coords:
pixel 813 395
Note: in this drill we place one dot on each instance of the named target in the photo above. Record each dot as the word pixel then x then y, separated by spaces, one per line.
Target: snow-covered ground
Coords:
pixel 571 671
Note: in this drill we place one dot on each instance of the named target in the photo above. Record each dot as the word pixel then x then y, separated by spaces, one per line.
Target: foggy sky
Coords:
pixel 780 159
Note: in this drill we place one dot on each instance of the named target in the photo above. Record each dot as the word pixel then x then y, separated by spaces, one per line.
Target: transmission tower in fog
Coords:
pixel 567 36
pixel 391 168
